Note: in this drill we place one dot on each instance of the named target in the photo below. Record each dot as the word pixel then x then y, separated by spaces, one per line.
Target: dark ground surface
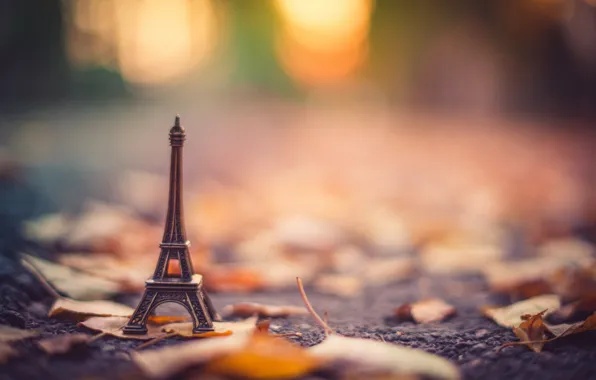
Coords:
pixel 468 339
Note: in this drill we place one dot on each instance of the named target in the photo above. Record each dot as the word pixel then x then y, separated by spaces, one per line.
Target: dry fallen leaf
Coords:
pixel 264 357
pixel 106 227
pixel 532 330
pixel 383 271
pixel 339 285
pixel 248 309
pixel 572 250
pixel 380 357
pixel 385 229
pixel 510 316
pixel 48 229
pixel 220 328
pixel 233 279
pixel 567 329
pixel 425 311
pixel 76 284
pixel 66 308
pixel 113 326
pixel 62 343
pixel 459 257
pixel 575 283
pixel 166 362
pixel 307 233
pixel 584 306
pixel 553 270
pixel 12 334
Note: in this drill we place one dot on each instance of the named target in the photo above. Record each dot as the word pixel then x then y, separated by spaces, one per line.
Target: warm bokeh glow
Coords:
pixel 149 41
pixel 156 39
pixel 323 42
pixel 324 24
pixel 320 67
pixel 92 32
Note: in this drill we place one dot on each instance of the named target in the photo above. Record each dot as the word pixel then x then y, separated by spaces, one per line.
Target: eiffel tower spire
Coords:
pixel 175 231
pixel 185 289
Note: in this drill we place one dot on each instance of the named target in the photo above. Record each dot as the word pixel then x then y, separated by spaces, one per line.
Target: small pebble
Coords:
pixel 107 347
pixel 480 347
pixel 474 363
pixel 481 333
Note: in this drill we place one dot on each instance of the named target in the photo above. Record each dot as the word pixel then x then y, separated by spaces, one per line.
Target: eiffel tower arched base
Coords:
pixel 189 294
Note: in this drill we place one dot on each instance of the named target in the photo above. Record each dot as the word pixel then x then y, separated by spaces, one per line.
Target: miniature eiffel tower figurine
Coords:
pixel 185 289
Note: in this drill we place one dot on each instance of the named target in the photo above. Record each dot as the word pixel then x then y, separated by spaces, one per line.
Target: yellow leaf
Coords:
pixel 113 326
pixel 265 357
pixel 220 329
pixel 165 319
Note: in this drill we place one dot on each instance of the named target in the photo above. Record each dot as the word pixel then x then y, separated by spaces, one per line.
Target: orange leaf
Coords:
pixel 265 357
pixel 233 280
pixel 248 309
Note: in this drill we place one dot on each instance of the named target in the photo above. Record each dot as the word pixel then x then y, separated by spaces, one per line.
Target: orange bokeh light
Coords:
pixel 151 42
pixel 323 42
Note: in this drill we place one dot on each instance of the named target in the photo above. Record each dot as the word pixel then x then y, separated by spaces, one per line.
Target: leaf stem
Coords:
pixel 153 341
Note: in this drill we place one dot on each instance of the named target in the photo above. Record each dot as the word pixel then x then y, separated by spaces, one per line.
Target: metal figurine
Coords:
pixel 186 289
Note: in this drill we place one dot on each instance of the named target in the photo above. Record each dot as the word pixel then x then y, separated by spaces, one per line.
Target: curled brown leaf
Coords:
pixel 248 309
pixel 425 311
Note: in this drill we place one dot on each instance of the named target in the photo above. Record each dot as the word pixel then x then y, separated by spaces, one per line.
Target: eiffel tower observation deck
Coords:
pixel 185 288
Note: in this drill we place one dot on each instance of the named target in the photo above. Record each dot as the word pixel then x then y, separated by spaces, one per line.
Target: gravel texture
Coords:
pixel 468 339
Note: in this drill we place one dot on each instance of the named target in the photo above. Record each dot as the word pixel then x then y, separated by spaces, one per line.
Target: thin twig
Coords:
pixel 153 341
pixel 508 344
pixel 562 335
pixel 312 311
pixel 102 334
pixel 37 274
pixel 290 334
pixel 96 337
pixel 325 319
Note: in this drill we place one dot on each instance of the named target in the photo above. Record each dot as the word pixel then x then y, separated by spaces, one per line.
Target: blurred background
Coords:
pixel 355 126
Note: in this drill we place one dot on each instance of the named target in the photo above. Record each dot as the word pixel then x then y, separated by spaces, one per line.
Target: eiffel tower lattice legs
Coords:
pixel 185 289
pixel 190 295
